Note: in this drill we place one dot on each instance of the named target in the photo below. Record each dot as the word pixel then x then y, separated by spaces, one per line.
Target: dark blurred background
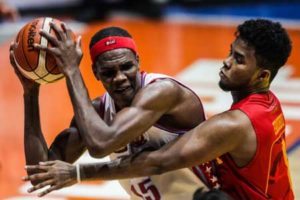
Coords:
pixel 92 10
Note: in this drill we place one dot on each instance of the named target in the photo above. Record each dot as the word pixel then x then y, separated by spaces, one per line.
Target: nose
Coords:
pixel 120 77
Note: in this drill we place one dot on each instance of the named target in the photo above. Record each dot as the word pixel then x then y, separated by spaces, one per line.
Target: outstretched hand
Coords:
pixel 66 51
pixel 56 174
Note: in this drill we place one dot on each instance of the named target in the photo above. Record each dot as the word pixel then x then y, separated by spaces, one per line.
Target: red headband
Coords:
pixel 110 43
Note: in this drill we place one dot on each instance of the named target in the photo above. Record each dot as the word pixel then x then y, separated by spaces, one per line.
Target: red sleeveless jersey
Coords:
pixel 266 176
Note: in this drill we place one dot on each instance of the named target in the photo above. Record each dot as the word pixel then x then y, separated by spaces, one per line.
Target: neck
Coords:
pixel 239 95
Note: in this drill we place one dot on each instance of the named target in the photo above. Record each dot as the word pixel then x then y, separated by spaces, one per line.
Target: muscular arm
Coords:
pixel 101 139
pixel 220 134
pixel 228 132
pixel 67 145
pixel 147 107
pixel 35 145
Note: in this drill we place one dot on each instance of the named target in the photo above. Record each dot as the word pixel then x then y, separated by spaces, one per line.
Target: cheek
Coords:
pixel 106 83
pixel 239 75
pixel 132 76
pixel 132 80
pixel 242 77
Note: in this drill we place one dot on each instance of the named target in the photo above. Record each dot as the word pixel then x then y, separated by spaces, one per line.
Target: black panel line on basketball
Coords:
pixel 25 54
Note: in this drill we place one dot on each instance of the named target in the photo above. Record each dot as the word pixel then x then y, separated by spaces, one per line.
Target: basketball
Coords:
pixel 36 64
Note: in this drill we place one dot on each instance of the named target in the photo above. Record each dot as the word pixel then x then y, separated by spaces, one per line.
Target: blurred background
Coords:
pixel 187 39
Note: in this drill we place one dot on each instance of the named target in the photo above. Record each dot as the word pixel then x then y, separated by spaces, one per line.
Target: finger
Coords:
pixel 59 32
pixel 12 58
pixel 38 177
pixel 47 163
pixel 52 50
pixel 12 46
pixel 47 191
pixel 68 31
pixel 78 42
pixel 40 185
pixel 30 168
pixel 14 64
pixel 53 40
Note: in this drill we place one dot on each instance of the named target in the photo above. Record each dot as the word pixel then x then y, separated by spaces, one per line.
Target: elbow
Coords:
pixel 98 150
pixel 99 147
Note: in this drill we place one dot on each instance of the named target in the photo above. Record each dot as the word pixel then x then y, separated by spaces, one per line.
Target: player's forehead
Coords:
pixel 242 47
pixel 116 55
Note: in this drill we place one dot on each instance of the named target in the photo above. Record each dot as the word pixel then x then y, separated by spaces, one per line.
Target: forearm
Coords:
pixel 35 145
pixel 172 156
pixel 92 129
pixel 130 167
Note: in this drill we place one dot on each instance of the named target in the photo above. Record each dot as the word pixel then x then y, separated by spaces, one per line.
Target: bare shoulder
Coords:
pixel 228 129
pixel 167 86
pixel 160 92
pixel 233 121
pixel 240 134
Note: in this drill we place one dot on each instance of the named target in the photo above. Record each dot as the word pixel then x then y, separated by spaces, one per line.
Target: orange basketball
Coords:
pixel 35 64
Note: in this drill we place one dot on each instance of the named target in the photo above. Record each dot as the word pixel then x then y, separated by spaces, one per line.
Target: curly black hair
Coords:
pixel 106 32
pixel 270 40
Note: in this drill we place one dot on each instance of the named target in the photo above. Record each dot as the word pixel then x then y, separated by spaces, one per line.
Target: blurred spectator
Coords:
pixel 8 12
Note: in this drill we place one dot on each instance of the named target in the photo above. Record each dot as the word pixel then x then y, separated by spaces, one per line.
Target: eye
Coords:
pixel 239 59
pixel 126 66
pixel 107 73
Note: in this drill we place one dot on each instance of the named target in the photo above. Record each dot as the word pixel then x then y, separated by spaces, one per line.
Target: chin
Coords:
pixel 231 88
pixel 224 87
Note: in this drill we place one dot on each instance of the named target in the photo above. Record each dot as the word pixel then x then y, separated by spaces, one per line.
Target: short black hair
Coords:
pixel 270 40
pixel 106 32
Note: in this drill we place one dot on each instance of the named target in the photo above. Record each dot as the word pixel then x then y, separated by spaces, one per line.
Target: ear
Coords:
pixel 95 71
pixel 264 75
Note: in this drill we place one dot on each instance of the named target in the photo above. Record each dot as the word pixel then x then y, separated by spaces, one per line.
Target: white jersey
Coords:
pixel 174 185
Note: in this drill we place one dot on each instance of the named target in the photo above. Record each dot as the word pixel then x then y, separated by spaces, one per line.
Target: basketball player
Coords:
pixel 138 111
pixel 249 138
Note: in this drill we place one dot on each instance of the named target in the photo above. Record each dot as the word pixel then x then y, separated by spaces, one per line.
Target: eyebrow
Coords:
pixel 236 52
pixel 110 68
pixel 128 63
